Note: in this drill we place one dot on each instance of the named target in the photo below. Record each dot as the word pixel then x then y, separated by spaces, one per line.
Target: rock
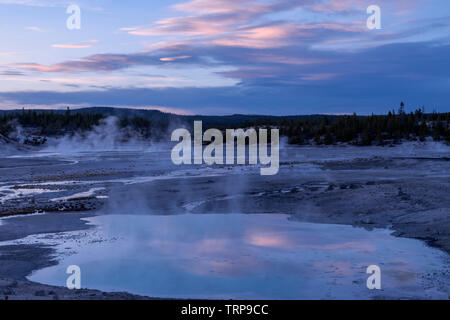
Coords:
pixel 40 293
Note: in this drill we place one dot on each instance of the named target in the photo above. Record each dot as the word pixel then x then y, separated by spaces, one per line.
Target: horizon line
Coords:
pixel 217 115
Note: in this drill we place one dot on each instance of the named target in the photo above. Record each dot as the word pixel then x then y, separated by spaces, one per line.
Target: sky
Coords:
pixel 219 57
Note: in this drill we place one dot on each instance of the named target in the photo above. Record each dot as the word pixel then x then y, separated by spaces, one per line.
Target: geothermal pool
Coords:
pixel 241 256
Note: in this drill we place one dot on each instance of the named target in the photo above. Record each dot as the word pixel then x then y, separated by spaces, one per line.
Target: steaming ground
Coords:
pixel 404 188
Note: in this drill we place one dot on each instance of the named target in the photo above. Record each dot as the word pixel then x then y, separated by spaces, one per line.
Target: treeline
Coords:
pixel 51 123
pixel 145 128
pixel 317 129
pixel 363 130
pixel 48 123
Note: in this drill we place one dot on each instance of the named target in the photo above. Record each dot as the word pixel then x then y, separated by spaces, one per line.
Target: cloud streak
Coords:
pixel 89 44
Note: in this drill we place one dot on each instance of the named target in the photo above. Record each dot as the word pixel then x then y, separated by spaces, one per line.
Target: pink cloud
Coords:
pixel 168 59
pixel 192 26
pixel 97 62
pixel 90 44
pixel 258 37
pixel 212 18
pixel 38 67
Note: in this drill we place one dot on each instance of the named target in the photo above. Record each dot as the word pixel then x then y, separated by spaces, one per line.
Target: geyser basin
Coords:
pixel 239 256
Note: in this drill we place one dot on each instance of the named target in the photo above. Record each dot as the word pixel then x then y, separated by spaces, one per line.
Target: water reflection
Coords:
pixel 245 256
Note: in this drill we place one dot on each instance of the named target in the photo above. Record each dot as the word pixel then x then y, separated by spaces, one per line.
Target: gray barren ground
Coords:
pixel 409 195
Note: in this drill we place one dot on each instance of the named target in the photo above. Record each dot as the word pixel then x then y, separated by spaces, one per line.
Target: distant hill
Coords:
pixel 235 120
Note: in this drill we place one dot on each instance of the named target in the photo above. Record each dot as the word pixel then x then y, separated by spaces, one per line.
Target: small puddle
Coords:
pixel 237 256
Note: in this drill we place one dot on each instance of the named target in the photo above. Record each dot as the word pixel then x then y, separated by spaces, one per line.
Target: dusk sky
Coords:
pixel 226 56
